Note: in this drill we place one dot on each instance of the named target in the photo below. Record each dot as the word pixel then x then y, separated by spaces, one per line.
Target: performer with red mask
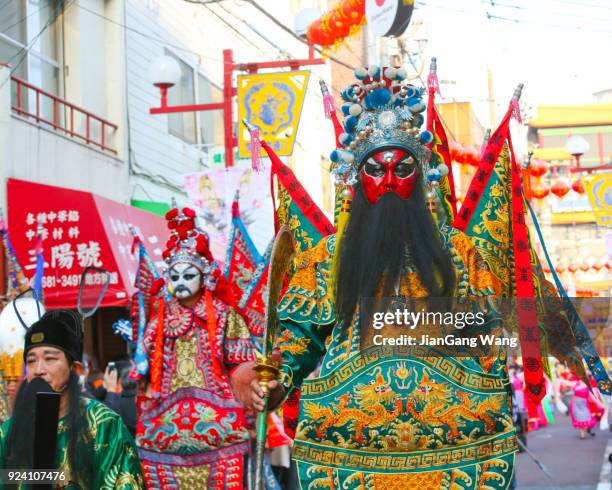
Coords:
pixel 374 417
pixel 191 431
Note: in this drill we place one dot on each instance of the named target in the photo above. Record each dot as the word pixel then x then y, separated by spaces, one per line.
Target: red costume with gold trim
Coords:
pixel 191 431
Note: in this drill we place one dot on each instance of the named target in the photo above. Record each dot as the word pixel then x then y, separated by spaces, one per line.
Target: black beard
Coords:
pixel 19 445
pixel 376 245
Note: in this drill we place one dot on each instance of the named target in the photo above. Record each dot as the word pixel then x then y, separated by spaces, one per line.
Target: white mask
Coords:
pixel 186 280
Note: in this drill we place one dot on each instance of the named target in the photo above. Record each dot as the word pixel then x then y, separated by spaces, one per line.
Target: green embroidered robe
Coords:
pixel 116 463
pixel 374 418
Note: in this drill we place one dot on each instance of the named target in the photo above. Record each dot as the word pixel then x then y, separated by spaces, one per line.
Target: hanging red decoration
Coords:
pixel 560 188
pixel 598 265
pixel 537 168
pixel 572 268
pixel 354 10
pixel 337 23
pixel 318 33
pixel 584 267
pixel 546 268
pixel 540 192
pixel 608 265
pixel 560 269
pixel 577 186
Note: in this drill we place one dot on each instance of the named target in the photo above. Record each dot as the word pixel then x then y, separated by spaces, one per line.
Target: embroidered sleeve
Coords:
pixel 238 345
pixel 302 346
pixel 117 457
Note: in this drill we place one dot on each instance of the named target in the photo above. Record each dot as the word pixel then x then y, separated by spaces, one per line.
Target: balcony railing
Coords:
pixel 45 108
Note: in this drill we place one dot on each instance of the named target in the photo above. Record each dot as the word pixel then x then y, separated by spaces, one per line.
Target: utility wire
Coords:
pixel 293 34
pixel 148 36
pixel 23 52
pixel 4 29
pixel 488 15
pixel 542 11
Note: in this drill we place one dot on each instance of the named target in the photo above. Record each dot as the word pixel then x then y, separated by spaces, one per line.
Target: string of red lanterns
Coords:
pixel 560 188
pixel 337 24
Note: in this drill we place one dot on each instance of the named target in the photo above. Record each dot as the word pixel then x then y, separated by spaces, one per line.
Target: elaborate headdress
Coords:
pixel 382 111
pixel 188 244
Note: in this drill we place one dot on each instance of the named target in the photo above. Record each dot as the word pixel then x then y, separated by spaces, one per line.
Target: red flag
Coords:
pixel 524 288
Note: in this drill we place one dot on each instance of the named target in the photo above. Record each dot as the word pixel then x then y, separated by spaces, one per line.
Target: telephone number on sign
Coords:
pixel 35 476
pixel 64 281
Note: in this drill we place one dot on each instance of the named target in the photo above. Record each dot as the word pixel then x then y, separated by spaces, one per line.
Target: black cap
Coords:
pixel 58 328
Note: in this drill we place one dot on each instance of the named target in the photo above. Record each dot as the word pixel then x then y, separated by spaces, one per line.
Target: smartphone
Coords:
pixel 111 366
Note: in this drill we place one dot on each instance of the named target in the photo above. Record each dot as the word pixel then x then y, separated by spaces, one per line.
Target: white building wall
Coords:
pixel 92 78
pixel 198 36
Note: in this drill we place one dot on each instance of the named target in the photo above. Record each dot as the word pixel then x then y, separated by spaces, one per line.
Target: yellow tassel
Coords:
pixel 341 221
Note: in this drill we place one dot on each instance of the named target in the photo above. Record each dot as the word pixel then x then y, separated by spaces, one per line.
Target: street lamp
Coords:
pixel 577 146
pixel 164 73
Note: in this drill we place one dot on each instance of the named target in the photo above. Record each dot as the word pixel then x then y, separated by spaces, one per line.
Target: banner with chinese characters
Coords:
pixel 272 102
pixel 79 229
pixel 599 189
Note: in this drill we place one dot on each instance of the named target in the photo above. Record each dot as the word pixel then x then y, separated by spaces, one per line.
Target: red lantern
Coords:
pixel 598 265
pixel 546 268
pixel 572 268
pixel 560 269
pixel 353 10
pixel 338 24
pixel 584 267
pixel 540 192
pixel 560 188
pixel 537 168
pixel 608 265
pixel 577 186
pixel 318 33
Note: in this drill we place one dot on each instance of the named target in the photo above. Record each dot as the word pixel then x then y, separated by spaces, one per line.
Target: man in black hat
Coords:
pixel 94 448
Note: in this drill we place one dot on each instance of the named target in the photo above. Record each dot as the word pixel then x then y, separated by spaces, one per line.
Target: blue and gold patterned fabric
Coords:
pixel 376 417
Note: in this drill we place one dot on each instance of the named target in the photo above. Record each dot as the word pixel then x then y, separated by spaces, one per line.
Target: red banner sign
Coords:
pixel 79 230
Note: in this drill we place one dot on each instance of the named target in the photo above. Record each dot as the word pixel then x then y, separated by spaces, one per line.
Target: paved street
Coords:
pixel 574 464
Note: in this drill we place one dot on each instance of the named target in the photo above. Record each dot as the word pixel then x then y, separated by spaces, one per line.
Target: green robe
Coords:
pixel 116 463
pixel 372 418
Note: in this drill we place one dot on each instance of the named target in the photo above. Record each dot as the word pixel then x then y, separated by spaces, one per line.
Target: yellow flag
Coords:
pixel 272 102
pixel 599 189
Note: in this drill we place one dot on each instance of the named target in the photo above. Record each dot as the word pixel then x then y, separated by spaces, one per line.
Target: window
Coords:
pixel 183 124
pixel 211 122
pixel 30 42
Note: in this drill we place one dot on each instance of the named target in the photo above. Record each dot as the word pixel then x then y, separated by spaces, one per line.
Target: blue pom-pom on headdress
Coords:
pixel 374 71
pixel 345 95
pixel 334 156
pixel 380 97
pixel 426 137
pixel 345 138
pixel 411 92
pixel 345 108
pixel 361 73
pixel 350 123
pixel 417 120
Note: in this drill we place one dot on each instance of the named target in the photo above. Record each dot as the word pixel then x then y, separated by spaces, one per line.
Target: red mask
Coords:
pixel 389 170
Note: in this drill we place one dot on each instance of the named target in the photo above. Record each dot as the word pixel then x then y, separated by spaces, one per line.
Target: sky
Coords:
pixel 560 49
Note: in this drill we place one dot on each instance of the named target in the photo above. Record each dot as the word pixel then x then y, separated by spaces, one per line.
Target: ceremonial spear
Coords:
pixel 266 367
